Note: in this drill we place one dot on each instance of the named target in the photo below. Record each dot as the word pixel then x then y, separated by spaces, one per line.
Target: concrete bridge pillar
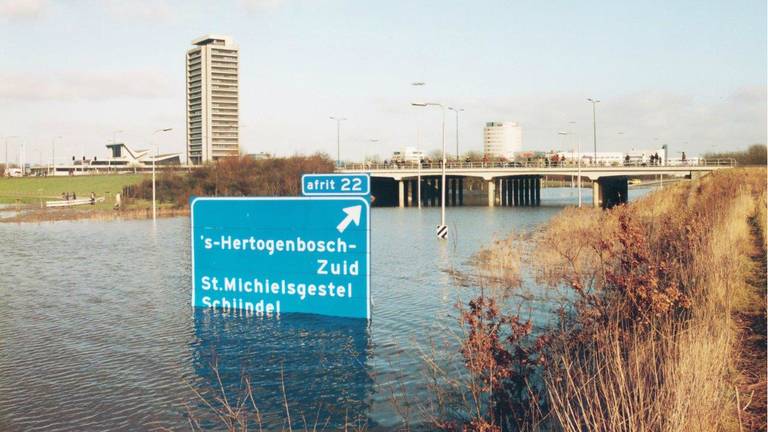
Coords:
pixel 461 191
pixel 435 200
pixel 596 198
pixel 491 193
pixel 507 184
pixel 612 191
pixel 401 193
pixel 515 191
pixel 537 191
pixel 454 186
pixel 526 191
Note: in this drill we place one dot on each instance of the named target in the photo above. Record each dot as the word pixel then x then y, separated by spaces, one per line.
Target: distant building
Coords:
pixel 588 157
pixel 408 154
pixel 124 156
pixel 122 159
pixel 502 140
pixel 260 156
pixel 213 109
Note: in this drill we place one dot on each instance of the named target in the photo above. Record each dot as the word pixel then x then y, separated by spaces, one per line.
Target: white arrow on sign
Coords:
pixel 353 215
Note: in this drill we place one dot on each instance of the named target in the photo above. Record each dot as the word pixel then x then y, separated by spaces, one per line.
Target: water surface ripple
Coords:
pixel 96 330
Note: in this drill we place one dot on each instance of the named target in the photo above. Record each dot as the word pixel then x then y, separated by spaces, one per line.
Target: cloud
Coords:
pixel 261 5
pixel 22 9
pixel 143 10
pixel 95 86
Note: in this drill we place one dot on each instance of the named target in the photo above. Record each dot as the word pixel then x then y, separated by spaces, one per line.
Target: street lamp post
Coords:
pixel 365 157
pixel 7 164
pixel 578 161
pixel 154 203
pixel 418 84
pixel 338 138
pixel 442 187
pixel 457 110
pixel 53 153
pixel 594 102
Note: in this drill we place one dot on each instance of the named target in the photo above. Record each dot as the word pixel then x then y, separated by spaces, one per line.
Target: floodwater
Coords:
pixel 97 331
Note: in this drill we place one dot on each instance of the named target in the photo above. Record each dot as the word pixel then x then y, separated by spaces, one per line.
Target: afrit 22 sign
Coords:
pixel 278 255
pixel 335 185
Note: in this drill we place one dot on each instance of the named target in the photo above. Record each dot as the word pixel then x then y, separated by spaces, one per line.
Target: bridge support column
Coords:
pixel 407 194
pixel 461 191
pixel 491 193
pixel 401 193
pixel 504 192
pixel 596 198
pixel 537 191
pixel 613 191
pixel 434 200
pixel 515 191
pixel 454 186
pixel 526 191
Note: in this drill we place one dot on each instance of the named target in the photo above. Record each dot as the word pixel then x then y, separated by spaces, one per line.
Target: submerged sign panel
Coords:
pixel 335 184
pixel 278 255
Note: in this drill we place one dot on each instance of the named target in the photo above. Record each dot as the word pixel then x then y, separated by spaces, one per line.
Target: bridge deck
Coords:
pixel 489 171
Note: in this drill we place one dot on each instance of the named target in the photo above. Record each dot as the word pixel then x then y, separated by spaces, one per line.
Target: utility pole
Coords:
pixel 456 110
pixel 418 146
pixel 338 138
pixel 442 187
pixel 154 203
pixel 594 102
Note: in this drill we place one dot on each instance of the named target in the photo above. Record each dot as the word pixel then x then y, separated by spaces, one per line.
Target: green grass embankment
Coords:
pixel 33 190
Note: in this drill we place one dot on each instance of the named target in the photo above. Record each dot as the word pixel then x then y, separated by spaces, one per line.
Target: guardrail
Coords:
pixel 534 164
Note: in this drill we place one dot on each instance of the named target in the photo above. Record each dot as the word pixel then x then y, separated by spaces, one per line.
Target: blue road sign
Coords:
pixel 278 255
pixel 335 184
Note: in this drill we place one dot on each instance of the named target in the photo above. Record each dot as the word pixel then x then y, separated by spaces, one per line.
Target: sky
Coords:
pixel 688 74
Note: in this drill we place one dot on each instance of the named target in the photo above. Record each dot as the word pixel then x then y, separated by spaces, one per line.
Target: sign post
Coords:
pixel 285 254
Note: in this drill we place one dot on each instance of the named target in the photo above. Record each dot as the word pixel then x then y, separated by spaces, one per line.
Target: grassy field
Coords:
pixel 33 189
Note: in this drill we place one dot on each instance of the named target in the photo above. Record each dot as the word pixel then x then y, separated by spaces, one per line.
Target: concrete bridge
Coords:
pixel 511 183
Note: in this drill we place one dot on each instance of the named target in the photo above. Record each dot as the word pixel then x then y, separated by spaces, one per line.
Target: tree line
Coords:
pixel 243 176
pixel 756 154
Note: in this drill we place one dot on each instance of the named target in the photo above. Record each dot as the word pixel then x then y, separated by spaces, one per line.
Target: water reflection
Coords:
pixel 322 361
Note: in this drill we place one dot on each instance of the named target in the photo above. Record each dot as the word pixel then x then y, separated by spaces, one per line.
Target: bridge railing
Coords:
pixel 696 162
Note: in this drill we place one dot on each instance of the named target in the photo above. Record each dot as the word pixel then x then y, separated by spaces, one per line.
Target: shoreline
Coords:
pixel 37 215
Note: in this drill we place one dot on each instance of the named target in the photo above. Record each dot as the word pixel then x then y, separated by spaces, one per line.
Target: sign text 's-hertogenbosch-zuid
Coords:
pixel 278 255
pixel 335 184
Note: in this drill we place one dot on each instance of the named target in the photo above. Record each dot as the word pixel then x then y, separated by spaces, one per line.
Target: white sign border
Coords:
pixel 336 194
pixel 302 198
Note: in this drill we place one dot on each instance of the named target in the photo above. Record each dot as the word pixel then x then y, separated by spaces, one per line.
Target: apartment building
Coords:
pixel 213 99
pixel 502 139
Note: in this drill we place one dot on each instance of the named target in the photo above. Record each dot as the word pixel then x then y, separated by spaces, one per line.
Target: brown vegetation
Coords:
pixel 243 176
pixel 664 324
pixel 756 154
